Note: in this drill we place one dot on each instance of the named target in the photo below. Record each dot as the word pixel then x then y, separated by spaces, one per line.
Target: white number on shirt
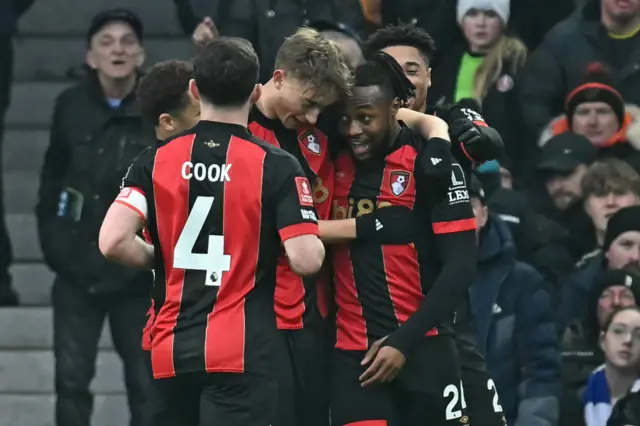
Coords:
pixel 496 405
pixel 214 261
pixel 456 396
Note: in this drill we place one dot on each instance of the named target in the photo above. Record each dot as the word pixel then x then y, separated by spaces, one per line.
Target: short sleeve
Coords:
pixel 453 213
pixel 136 183
pixel 294 210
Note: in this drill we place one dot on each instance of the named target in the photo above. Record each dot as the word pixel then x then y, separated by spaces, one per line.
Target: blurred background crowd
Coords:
pixel 559 212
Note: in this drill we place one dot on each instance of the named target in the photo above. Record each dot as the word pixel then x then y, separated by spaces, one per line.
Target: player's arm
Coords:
pixel 296 217
pixel 387 225
pixel 454 226
pixel 118 239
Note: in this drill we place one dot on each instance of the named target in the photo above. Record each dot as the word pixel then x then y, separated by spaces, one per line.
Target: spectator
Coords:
pixel 514 324
pixel 627 410
pixel 265 23
pixel 620 341
pixel 596 110
pixel 95 134
pixel 608 186
pixel 606 31
pixel 485 67
pixel 10 12
pixel 620 250
pixel 556 193
pixel 581 350
pixel 540 242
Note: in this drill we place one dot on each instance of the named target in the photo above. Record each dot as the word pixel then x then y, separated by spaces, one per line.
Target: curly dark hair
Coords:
pixel 382 70
pixel 226 71
pixel 164 89
pixel 402 35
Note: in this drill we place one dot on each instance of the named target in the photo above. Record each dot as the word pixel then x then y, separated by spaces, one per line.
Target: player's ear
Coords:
pixel 395 106
pixel 167 123
pixel 193 89
pixel 429 77
pixel 278 78
pixel 257 92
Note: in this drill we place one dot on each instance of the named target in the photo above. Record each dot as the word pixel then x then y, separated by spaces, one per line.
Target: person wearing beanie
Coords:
pixel 623 225
pixel 595 109
pixel 484 67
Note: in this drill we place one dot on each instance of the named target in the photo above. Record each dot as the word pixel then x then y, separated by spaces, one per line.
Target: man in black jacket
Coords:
pixel 96 133
pixel 10 12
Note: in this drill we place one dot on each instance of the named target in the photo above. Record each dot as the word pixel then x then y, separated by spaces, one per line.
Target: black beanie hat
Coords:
pixel 625 219
pixel 597 86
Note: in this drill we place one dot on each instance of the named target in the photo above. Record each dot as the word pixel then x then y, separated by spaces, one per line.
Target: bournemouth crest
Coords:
pixel 399 182
pixel 310 141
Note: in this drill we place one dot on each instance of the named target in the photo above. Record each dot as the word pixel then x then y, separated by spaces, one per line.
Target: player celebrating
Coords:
pixel 218 204
pixel 164 99
pixel 413 49
pixel 395 304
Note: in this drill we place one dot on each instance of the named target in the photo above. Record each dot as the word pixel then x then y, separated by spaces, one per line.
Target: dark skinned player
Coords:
pixel 395 361
pixel 413 49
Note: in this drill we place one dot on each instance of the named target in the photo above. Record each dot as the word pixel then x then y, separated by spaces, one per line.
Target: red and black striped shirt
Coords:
pixel 377 288
pixel 300 301
pixel 217 202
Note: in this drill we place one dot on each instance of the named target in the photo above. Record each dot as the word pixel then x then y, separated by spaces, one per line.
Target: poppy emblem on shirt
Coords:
pixel 310 142
pixel 399 182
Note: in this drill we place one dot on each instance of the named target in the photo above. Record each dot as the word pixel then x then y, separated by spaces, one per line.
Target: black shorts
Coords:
pixel 480 393
pixel 200 399
pixel 481 397
pixel 426 392
pixel 303 378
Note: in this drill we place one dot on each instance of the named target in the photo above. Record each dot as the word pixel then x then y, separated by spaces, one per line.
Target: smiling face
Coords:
pixel 115 51
pixel 367 121
pixel 417 71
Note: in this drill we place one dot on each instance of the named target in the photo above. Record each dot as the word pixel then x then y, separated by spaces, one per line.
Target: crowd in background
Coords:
pixel 559 213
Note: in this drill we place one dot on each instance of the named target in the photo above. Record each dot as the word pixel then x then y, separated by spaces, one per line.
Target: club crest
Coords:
pixel 309 140
pixel 399 182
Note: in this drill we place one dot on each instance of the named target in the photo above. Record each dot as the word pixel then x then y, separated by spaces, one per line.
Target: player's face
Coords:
pixel 297 103
pixel 415 68
pixel 115 51
pixel 367 120
pixel 621 341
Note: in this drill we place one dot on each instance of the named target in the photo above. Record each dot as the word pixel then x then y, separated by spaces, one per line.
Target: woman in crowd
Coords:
pixel 620 341
pixel 484 67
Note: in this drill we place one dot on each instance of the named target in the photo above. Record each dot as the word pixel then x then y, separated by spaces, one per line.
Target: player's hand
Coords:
pixel 387 225
pixel 205 31
pixel 386 365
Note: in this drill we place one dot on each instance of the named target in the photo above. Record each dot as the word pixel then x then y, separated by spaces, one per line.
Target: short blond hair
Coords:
pixel 314 59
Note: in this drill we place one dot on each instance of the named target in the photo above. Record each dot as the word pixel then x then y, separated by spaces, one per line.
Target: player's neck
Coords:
pixel 393 133
pixel 239 116
pixel 266 101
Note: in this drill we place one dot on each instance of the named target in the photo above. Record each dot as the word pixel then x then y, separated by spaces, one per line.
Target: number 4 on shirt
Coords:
pixel 214 261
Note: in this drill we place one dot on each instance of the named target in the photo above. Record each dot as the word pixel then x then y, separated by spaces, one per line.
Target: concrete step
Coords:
pixel 33 283
pixel 24 237
pixel 38 410
pixel 21 191
pixel 46 58
pixel 33 372
pixel 28 328
pixel 74 16
pixel 23 150
pixel 32 103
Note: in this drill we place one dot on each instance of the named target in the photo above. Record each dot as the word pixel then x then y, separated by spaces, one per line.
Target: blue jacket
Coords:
pixel 514 327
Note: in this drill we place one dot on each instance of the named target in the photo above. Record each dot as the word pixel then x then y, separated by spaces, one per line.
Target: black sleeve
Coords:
pixel 187 17
pixel 140 172
pixel 454 227
pixel 21 6
pixel 295 213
